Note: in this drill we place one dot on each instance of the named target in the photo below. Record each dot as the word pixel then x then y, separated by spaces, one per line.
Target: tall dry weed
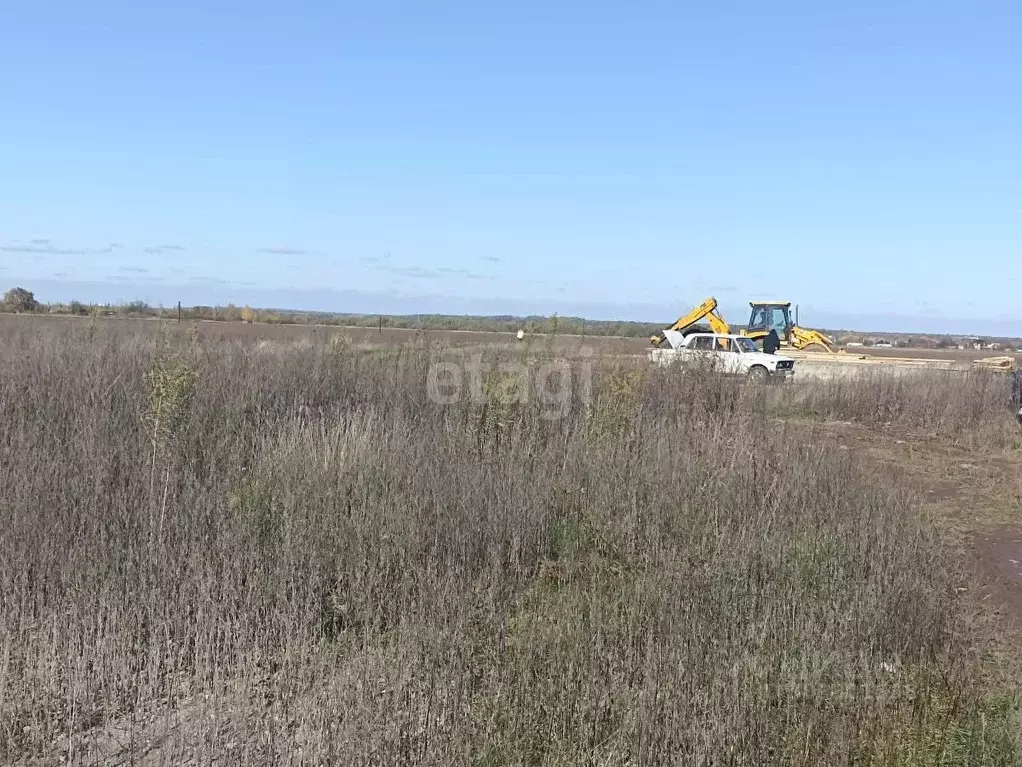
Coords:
pixel 349 573
pixel 974 407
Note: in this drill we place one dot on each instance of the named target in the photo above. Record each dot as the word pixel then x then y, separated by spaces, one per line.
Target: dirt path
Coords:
pixel 977 495
pixel 997 554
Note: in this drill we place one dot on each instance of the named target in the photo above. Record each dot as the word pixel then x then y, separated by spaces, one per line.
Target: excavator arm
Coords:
pixel 707 310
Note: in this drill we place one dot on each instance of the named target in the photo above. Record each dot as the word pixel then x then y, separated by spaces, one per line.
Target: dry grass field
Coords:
pixel 387 337
pixel 316 334
pixel 276 545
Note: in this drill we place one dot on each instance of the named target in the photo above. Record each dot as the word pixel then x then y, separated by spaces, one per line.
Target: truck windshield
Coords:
pixel 745 344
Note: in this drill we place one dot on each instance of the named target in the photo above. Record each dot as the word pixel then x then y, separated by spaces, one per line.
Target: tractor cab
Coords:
pixel 767 316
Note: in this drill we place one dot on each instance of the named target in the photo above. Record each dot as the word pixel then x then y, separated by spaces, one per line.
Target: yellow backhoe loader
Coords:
pixel 776 315
pixel 689 323
pixel 765 316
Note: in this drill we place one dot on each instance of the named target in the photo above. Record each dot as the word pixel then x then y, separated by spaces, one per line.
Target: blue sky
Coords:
pixel 613 159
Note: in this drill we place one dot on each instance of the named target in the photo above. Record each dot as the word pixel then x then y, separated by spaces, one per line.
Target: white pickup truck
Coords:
pixel 730 354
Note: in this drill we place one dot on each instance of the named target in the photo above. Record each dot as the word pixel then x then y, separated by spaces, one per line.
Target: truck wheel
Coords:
pixel 758 373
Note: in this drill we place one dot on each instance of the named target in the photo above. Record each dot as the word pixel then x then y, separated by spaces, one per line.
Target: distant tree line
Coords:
pixel 21 300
